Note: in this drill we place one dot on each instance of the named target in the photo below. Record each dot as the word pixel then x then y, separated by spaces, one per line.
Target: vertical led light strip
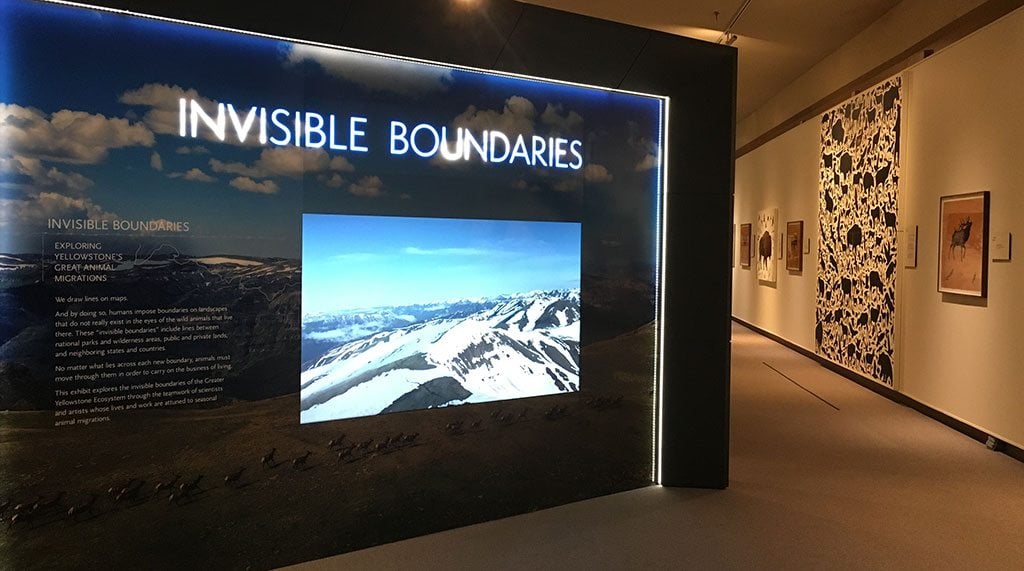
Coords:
pixel 662 227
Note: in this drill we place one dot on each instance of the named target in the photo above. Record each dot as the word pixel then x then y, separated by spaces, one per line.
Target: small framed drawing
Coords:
pixel 794 246
pixel 963 244
pixel 745 245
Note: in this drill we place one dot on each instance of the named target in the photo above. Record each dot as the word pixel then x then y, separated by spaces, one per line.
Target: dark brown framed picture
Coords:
pixel 745 245
pixel 963 244
pixel 794 246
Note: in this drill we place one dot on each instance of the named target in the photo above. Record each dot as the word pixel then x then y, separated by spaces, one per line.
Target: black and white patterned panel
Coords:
pixel 856 298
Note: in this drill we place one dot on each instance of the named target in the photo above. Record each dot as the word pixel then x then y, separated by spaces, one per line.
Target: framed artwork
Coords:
pixel 794 246
pixel 745 245
pixel 963 244
pixel 767 228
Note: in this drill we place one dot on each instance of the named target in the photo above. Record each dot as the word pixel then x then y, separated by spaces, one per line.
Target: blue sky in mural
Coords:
pixel 89 116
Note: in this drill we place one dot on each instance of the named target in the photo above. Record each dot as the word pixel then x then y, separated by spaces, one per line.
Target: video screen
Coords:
pixel 404 313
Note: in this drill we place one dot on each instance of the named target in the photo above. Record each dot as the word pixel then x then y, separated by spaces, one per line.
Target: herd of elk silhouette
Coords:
pixel 45 509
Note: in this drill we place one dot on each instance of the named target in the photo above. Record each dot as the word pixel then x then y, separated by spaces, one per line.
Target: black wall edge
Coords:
pixel 700 79
pixel 891 394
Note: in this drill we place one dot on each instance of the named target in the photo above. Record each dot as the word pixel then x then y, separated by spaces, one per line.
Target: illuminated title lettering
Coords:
pixel 300 129
pixel 283 127
pixel 427 141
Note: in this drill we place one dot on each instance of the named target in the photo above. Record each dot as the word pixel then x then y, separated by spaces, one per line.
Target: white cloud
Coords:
pixel 592 174
pixel 369 186
pixel 341 164
pixel 522 184
pixel 194 175
pixel 567 185
pixel 292 162
pixel 156 162
pixel 559 124
pixel 241 169
pixel 52 178
pixel 162 99
pixel 401 77
pixel 515 118
pixel 37 209
pixel 194 150
pixel 247 184
pixel 334 181
pixel 66 136
pixel 647 149
pixel 596 173
pixel 647 163
pixel 163 113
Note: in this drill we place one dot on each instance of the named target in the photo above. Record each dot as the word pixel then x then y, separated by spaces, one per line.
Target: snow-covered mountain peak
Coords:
pixel 508 347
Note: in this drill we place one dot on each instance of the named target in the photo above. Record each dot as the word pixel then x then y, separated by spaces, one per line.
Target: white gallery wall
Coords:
pixel 963 133
pixel 963 123
pixel 782 174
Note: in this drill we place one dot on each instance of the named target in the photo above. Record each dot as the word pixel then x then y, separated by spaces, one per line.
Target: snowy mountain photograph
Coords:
pixel 411 313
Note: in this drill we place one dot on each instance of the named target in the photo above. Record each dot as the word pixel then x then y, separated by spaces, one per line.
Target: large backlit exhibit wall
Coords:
pixel 956 354
pixel 266 301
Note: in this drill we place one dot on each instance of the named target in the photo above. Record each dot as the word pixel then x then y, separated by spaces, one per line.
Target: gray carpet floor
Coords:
pixel 838 479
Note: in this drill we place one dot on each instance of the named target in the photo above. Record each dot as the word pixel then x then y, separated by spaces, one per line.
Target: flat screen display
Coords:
pixel 404 313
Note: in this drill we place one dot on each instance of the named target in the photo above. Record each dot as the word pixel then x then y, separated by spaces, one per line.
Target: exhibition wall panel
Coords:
pixel 954 353
pixel 288 300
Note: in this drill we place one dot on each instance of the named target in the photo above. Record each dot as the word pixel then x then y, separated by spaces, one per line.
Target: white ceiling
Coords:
pixel 778 39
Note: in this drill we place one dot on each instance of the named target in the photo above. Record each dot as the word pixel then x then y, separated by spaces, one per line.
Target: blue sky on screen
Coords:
pixel 351 262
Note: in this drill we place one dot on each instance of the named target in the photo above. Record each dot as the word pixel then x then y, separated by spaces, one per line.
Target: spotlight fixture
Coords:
pixel 727 37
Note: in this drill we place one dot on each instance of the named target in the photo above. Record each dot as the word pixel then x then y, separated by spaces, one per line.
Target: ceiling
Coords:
pixel 778 40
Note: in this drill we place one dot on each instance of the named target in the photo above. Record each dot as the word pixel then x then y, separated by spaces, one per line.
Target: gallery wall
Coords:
pixel 956 354
pixel 782 174
pixel 964 119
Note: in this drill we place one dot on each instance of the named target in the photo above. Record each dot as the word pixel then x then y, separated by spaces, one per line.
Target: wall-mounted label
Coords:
pixel 1001 246
pixel 909 247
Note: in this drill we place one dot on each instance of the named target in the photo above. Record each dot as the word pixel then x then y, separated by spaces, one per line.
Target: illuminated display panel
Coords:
pixel 199 227
pixel 401 314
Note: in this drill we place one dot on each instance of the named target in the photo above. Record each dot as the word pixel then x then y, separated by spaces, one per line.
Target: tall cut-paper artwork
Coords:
pixel 859 170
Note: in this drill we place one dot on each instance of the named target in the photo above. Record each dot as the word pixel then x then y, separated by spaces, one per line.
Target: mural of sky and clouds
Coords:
pixel 89 129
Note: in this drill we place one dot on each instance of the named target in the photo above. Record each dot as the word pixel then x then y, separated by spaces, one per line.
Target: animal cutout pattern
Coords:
pixel 857 245
pixel 765 240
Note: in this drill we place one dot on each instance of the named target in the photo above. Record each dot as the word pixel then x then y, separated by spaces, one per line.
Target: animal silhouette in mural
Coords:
pixel 960 237
pixel 764 248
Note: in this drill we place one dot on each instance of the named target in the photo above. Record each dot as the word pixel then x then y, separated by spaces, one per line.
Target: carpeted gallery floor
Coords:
pixel 849 480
